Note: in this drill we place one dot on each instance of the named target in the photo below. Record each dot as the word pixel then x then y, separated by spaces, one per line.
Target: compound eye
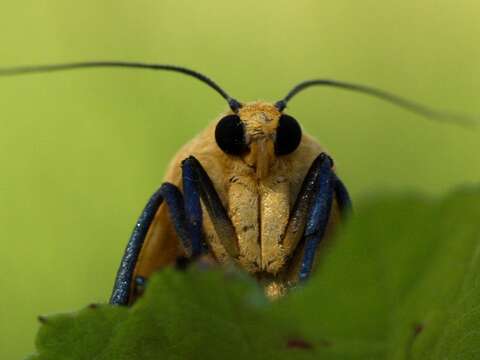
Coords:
pixel 230 135
pixel 289 135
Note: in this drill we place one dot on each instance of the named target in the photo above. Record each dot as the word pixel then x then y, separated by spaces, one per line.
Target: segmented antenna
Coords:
pixel 22 70
pixel 383 95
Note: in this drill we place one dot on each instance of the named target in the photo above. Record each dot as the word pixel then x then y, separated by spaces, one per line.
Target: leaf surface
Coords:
pixel 400 281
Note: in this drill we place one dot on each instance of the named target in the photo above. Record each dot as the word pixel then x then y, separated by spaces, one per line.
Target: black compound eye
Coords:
pixel 289 135
pixel 230 135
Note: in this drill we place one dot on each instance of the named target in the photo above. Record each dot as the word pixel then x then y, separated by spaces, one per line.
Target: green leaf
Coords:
pixel 400 281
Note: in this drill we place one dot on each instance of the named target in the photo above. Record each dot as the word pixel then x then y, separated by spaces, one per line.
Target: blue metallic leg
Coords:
pixel 318 215
pixel 298 218
pixel 177 212
pixel 193 208
pixel 181 212
pixel 121 288
pixel 220 220
pixel 186 216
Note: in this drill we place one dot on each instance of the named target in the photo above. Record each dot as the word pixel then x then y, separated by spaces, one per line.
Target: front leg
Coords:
pixel 181 216
pixel 203 185
pixel 318 215
pixel 186 216
pixel 311 212
pixel 123 281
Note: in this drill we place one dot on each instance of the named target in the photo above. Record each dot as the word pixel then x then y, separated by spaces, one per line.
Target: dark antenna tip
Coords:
pixel 281 105
pixel 413 106
pixel 234 105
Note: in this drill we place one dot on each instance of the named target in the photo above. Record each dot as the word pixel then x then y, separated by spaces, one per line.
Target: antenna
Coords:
pixel 24 70
pixel 381 94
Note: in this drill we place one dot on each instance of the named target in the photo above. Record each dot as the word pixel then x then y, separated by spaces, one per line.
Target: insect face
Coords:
pixel 257 164
pixel 258 134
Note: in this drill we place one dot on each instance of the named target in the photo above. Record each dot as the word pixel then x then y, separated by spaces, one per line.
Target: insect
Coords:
pixel 251 190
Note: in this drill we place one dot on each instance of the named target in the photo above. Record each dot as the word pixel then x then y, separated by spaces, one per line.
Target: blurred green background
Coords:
pixel 82 151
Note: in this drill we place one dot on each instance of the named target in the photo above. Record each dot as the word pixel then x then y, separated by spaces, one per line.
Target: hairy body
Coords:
pixel 258 191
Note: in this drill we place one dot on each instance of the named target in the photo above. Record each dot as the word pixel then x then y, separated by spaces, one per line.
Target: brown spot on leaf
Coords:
pixel 299 343
pixel 417 329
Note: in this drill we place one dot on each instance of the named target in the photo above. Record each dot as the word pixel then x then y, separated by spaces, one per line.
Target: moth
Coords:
pixel 252 190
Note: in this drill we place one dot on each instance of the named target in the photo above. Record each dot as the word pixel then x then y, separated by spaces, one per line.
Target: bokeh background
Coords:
pixel 82 151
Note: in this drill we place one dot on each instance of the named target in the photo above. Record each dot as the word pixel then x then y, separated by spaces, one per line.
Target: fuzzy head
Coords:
pixel 258 133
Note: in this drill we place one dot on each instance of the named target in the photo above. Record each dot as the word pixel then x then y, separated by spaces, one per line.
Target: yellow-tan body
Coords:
pixel 258 191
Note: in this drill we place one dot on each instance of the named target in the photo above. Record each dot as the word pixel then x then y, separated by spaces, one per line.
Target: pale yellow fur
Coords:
pixel 258 201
